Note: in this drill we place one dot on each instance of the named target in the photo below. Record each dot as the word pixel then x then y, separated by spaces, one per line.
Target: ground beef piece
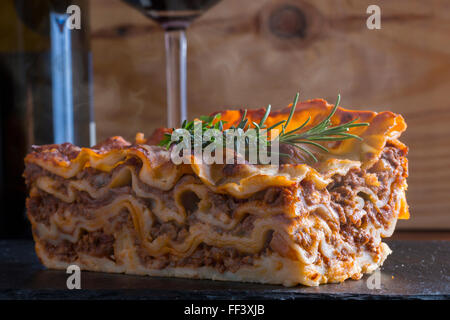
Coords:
pixel 41 208
pixel 169 229
pixel 64 251
pixel 97 244
pixel 294 155
pixel 222 259
pixel 342 191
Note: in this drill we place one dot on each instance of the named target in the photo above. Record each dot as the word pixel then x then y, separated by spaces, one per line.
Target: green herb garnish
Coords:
pixel 207 123
pixel 323 131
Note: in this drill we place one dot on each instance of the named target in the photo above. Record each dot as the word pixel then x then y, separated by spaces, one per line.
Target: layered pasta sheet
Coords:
pixel 125 207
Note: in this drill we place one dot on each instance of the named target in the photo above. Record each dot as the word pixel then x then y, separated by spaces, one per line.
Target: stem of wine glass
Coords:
pixel 176 77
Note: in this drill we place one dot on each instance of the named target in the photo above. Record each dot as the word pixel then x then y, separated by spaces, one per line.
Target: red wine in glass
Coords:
pixel 174 16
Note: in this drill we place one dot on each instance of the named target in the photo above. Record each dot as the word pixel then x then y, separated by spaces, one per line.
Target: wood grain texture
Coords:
pixel 266 50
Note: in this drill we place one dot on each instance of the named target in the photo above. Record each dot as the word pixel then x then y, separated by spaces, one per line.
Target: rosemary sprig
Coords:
pixel 207 123
pixel 297 138
pixel 320 132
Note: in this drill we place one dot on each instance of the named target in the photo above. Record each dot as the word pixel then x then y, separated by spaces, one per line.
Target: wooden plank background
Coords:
pixel 266 50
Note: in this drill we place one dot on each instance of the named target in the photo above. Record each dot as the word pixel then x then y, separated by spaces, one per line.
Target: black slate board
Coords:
pixel 415 270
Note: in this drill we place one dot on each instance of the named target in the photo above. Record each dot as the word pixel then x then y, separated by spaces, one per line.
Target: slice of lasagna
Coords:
pixel 127 208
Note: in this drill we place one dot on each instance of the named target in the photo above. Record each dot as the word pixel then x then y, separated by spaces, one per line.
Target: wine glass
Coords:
pixel 174 16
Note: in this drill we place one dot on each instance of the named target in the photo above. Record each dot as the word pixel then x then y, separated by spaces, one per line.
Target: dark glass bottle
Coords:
pixel 45 91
